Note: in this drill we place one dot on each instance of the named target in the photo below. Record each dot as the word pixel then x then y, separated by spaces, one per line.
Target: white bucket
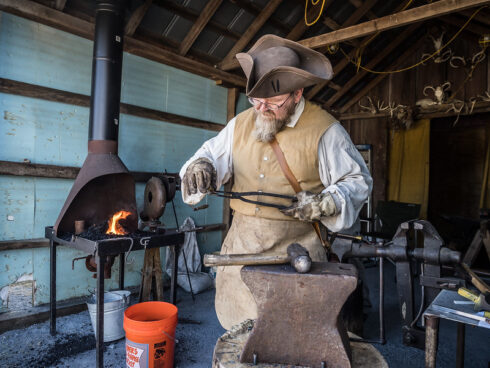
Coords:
pixel 114 305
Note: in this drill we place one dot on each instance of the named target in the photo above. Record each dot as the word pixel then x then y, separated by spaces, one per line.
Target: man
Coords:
pixel 333 177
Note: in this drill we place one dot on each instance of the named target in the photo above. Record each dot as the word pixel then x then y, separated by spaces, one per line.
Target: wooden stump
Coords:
pixel 230 345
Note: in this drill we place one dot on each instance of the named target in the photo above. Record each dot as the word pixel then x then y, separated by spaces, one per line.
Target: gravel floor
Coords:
pixel 198 330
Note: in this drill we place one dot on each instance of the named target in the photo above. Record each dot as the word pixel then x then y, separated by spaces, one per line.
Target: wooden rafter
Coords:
pixel 60 4
pixel 45 15
pixel 396 64
pixel 343 63
pixel 271 6
pixel 300 28
pixel 136 18
pixel 377 59
pixel 255 10
pixel 471 27
pixel 198 26
pixel 358 4
pixel 480 17
pixel 421 13
pixel 192 16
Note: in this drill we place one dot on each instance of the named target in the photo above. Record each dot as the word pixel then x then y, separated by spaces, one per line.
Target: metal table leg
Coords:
pixel 99 339
pixel 460 346
pixel 431 337
pixel 121 271
pixel 52 287
pixel 173 282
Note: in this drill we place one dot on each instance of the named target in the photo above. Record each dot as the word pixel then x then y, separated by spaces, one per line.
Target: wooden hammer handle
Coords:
pixel 242 260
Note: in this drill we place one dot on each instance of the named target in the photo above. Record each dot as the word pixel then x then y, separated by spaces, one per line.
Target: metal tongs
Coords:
pixel 241 195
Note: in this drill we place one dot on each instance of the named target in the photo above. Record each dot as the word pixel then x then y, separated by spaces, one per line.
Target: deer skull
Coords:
pixel 439 92
pixel 437 43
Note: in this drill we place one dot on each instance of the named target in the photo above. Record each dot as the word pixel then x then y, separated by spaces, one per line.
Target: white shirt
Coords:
pixel 342 169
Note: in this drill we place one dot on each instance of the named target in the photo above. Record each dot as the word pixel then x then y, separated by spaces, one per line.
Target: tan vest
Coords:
pixel 255 166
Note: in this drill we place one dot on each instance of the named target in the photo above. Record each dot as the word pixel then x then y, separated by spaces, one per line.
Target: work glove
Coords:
pixel 200 176
pixel 310 207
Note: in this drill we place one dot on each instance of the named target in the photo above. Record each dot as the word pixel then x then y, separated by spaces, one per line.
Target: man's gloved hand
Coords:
pixel 200 176
pixel 310 207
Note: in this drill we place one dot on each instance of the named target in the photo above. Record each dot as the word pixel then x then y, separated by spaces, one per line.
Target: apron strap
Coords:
pixel 296 186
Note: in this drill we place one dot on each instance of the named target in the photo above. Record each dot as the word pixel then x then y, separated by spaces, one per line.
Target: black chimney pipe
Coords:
pixel 104 185
pixel 106 76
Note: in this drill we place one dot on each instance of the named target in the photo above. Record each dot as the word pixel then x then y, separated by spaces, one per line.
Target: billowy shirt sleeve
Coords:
pixel 345 176
pixel 218 150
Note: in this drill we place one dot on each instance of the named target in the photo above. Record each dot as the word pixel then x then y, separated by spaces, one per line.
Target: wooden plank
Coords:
pixel 372 63
pixel 51 94
pixel 59 172
pixel 23 244
pixel 136 18
pixel 206 14
pixel 51 17
pixel 271 6
pixel 399 61
pixel 406 17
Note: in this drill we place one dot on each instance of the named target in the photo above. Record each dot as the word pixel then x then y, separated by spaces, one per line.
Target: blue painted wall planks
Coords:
pixel 54 133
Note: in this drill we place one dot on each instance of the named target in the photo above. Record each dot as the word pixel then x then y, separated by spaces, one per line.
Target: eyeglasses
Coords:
pixel 269 106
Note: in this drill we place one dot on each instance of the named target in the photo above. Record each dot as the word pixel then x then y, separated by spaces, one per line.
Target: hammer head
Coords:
pixel 299 257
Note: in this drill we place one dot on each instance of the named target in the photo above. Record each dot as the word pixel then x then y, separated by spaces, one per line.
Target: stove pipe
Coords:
pixel 104 185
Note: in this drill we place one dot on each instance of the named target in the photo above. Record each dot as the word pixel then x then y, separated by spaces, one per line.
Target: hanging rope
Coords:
pixel 313 2
pixel 359 66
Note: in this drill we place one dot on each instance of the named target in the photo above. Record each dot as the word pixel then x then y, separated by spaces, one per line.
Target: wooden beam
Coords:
pixel 192 15
pixel 300 28
pixel 396 64
pixel 375 61
pixel 480 17
pixel 256 9
pixel 405 17
pixel 51 17
pixel 23 244
pixel 471 27
pixel 58 172
pixel 270 8
pixel 60 4
pixel 206 14
pixel 344 62
pixel 136 18
pixel 56 95
pixel 480 107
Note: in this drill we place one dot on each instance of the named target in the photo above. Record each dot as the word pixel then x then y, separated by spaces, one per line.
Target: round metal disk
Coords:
pixel 155 198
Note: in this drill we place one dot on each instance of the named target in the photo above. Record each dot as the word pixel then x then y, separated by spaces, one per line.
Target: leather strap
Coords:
pixel 296 186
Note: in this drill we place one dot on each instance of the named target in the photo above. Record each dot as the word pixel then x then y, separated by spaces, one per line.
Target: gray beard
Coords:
pixel 266 127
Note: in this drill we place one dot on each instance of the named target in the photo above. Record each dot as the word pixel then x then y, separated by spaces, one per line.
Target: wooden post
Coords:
pixel 230 114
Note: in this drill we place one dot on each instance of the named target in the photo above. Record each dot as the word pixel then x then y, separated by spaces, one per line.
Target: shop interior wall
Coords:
pixel 44 132
pixel 457 149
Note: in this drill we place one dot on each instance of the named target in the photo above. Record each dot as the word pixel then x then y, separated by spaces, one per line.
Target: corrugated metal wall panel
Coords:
pixel 54 133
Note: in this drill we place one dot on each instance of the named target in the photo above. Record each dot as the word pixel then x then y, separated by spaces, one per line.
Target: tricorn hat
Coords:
pixel 275 66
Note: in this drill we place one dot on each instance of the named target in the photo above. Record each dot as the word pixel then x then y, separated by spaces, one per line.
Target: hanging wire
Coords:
pixel 357 63
pixel 313 2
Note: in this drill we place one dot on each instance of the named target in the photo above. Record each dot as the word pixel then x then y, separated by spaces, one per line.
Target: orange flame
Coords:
pixel 114 226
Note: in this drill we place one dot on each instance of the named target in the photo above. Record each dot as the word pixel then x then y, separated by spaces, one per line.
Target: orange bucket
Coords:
pixel 150 335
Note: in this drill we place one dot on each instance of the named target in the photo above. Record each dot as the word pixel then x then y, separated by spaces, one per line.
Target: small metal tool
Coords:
pixel 241 195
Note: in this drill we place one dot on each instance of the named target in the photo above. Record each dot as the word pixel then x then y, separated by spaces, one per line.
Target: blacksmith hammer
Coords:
pixel 297 256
